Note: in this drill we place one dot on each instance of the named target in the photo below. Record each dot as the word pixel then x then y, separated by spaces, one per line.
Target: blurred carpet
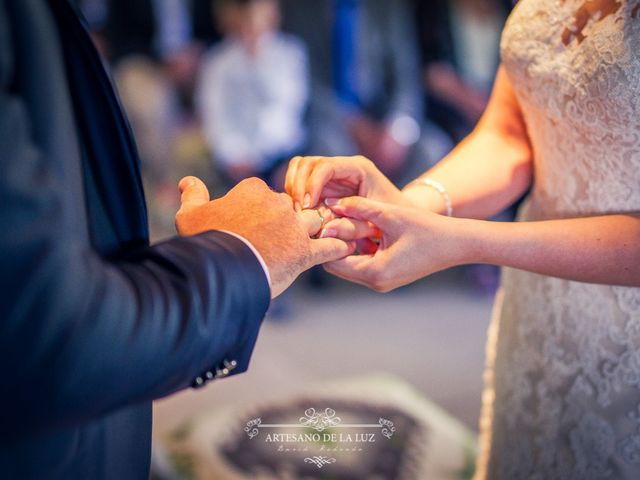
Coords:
pixel 431 334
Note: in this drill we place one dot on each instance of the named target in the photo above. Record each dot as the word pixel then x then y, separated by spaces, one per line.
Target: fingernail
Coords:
pixel 307 201
pixel 331 202
pixel 329 233
pixel 296 205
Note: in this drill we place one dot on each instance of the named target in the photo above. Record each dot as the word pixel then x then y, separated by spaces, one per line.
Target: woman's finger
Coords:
pixel 319 177
pixel 291 175
pixel 337 170
pixel 361 208
pixel 349 229
pixel 305 166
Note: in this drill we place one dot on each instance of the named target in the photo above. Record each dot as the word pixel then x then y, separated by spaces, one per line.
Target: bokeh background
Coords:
pixel 227 89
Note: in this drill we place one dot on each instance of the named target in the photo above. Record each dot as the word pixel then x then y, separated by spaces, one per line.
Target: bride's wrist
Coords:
pixel 383 190
pixel 469 240
pixel 485 241
pixel 428 198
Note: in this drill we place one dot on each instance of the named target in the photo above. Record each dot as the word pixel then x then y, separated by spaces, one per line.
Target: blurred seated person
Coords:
pixel 460 42
pixel 154 47
pixel 151 47
pixel 204 30
pixel 252 93
pixel 158 30
pixel 366 96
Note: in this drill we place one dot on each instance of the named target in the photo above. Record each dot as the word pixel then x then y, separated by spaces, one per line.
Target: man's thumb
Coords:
pixel 325 250
pixel 194 193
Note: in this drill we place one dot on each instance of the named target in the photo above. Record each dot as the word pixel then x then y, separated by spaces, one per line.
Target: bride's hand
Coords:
pixel 412 243
pixel 312 179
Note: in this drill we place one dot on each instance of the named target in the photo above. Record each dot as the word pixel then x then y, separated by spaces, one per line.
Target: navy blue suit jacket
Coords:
pixel 94 322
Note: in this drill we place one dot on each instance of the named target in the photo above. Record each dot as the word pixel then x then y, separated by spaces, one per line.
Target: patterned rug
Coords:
pixel 374 428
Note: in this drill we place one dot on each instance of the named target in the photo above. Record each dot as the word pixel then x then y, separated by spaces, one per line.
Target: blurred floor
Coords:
pixel 432 334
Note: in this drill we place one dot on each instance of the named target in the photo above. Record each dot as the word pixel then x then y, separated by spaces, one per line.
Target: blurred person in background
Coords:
pixel 205 26
pixel 154 59
pixel 153 48
pixel 459 41
pixel 252 93
pixel 365 83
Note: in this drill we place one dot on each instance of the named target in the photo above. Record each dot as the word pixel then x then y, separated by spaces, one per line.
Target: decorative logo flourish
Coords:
pixel 326 425
pixel 320 461
pixel 320 421
pixel 252 427
pixel 388 429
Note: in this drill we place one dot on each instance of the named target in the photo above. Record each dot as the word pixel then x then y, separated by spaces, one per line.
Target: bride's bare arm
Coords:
pixel 490 169
pixel 603 249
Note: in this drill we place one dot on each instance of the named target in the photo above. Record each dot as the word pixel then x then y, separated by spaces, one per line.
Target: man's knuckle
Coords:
pixel 253 182
pixel 284 200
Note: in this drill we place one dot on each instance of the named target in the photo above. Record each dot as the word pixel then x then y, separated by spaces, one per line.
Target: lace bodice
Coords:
pixel 563 378
pixel 582 105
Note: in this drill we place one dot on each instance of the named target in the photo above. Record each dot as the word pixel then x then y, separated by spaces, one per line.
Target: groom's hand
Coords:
pixel 266 219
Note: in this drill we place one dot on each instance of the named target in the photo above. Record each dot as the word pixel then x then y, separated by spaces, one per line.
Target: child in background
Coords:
pixel 252 93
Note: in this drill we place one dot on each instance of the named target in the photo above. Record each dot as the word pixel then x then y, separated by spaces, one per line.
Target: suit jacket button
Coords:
pixel 198 382
pixel 230 365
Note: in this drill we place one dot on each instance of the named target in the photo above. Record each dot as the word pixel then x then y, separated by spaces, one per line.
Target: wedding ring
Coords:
pixel 322 219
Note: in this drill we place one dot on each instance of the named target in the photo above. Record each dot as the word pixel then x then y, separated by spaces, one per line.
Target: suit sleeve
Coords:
pixel 81 336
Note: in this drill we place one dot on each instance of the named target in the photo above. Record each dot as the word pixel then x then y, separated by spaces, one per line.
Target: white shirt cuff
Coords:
pixel 255 251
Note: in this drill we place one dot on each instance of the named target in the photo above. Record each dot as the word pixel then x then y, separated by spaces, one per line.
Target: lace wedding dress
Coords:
pixel 562 399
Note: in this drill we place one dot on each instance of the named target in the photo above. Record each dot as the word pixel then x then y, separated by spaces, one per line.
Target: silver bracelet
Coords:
pixel 437 186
